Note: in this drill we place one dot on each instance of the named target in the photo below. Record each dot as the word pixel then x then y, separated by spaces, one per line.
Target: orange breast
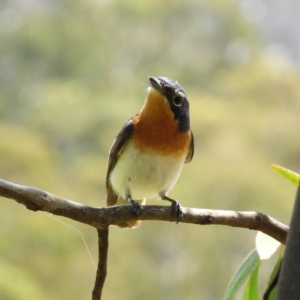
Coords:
pixel 156 129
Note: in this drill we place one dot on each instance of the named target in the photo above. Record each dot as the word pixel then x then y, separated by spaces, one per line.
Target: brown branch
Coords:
pixel 102 263
pixel 100 218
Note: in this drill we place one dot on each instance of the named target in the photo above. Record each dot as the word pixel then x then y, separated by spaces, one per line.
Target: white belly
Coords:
pixel 144 175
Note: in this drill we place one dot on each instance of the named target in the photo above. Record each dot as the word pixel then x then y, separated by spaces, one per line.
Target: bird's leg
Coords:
pixel 136 208
pixel 176 206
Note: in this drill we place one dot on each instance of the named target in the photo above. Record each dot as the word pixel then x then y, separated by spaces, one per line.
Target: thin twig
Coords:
pixel 102 263
pixel 35 199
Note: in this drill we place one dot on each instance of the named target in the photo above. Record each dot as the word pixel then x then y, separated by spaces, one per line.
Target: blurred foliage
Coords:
pixel 265 248
pixel 71 73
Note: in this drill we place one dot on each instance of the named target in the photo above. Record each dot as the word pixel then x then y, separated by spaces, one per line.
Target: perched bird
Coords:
pixel 148 154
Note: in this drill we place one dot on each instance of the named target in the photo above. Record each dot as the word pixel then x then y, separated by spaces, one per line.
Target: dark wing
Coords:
pixel 114 153
pixel 191 150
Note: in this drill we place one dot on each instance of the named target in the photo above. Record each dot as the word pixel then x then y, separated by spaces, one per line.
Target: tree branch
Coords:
pixel 102 263
pixel 100 218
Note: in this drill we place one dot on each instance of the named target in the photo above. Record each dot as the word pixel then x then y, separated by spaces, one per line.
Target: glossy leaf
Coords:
pixel 251 289
pixel 271 291
pixel 247 268
pixel 266 246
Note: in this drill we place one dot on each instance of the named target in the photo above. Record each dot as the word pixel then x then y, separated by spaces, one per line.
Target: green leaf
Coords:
pixel 266 246
pixel 271 291
pixel 251 289
pixel 247 268
pixel 288 174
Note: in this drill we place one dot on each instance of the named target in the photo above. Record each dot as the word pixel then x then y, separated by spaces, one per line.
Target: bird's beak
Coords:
pixel 155 83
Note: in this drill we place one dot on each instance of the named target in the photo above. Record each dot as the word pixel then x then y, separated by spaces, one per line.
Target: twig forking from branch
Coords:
pixel 102 263
pixel 38 200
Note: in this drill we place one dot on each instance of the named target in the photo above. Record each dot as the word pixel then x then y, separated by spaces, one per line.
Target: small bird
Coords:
pixel 147 156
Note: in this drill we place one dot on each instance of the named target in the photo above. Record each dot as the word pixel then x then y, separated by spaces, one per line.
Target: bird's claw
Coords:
pixel 177 209
pixel 136 208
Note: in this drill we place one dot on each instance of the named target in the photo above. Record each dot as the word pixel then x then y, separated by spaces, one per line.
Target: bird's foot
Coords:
pixel 136 208
pixel 176 207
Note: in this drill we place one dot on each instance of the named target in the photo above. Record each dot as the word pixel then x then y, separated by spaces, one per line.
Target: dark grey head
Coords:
pixel 176 97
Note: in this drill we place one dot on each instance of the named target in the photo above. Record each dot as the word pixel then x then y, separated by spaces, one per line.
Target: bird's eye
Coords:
pixel 178 100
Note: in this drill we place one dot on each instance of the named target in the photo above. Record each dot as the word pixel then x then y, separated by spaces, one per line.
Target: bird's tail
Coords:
pixel 129 224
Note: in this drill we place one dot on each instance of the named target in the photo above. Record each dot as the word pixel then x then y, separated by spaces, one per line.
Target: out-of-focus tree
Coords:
pixel 71 73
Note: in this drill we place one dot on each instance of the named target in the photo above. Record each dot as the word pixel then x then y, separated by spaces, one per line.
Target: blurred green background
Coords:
pixel 71 73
